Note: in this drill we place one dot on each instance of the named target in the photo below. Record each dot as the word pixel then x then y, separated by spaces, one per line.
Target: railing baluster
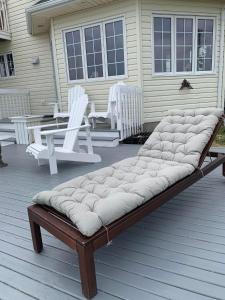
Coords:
pixel 14 102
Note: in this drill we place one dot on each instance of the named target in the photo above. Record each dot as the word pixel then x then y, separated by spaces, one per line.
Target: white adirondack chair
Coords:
pixel 111 112
pixel 70 151
pixel 73 94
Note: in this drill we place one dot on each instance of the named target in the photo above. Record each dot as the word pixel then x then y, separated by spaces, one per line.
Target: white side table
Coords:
pixel 21 123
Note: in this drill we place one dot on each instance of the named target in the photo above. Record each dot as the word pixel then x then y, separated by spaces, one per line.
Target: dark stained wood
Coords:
pixel 209 144
pixel 87 269
pixel 36 235
pixel 62 228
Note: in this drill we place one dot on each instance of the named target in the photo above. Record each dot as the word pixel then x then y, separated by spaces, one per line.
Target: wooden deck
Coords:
pixel 177 252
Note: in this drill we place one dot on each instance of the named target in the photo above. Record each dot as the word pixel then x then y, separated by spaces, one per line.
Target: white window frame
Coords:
pixel 104 52
pixel 195 18
pixel 7 67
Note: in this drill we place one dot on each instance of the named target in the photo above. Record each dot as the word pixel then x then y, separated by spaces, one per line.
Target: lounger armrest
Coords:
pixel 46 126
pixel 53 132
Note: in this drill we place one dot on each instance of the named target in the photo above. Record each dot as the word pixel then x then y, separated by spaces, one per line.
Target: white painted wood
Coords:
pixel 124 108
pixel 70 150
pixel 51 155
pixel 22 125
pixel 73 95
pixel 4 21
pixel 14 102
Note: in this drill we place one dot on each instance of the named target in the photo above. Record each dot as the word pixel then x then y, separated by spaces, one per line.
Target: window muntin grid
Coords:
pixel 93 46
pixel 187 54
pixel 10 64
pixel 184 44
pixel 74 55
pixel 162 44
pixel 7 68
pixel 115 48
pixel 205 45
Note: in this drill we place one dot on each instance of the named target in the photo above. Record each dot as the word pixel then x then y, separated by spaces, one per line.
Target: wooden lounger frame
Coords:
pixel 62 228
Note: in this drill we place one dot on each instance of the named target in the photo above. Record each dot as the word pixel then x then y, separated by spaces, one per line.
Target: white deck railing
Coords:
pixel 4 21
pixel 129 111
pixel 14 102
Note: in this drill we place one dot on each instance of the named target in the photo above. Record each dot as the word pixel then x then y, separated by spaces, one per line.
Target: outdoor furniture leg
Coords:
pixel 223 166
pixel 87 270
pixel 36 235
pixel 2 164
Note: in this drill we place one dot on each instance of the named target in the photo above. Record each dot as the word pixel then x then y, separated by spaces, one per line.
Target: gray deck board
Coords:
pixel 177 252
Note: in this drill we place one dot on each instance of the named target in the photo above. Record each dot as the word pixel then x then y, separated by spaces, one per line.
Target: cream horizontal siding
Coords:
pixel 38 79
pixel 162 92
pixel 98 89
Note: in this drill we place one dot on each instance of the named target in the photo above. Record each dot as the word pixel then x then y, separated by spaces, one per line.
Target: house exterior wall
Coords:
pixel 97 90
pixel 161 92
pixel 38 79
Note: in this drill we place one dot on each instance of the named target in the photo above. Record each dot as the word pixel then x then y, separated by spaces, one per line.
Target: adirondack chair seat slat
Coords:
pixel 170 154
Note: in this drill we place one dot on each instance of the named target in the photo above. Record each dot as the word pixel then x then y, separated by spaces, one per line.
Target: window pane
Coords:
pixel 93 45
pixel 10 62
pixel 158 65
pixel 115 48
pixel 74 57
pixel 118 27
pixel 184 44
pixel 158 24
pixel 69 38
pixel 2 67
pixel 162 42
pixel 96 32
pixel 205 45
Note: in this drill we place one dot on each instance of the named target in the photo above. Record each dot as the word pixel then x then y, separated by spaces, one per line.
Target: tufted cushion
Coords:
pixel 171 153
pixel 182 135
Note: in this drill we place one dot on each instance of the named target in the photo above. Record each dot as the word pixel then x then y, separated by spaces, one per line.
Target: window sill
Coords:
pixel 155 75
pixel 7 78
pixel 90 80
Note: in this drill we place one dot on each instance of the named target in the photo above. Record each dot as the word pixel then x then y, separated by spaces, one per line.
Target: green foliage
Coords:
pixel 220 138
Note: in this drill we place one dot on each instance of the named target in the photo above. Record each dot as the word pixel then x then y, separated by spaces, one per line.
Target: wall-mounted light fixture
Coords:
pixel 186 85
pixel 35 60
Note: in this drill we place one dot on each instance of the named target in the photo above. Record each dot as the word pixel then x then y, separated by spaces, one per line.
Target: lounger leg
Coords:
pixel 87 270
pixel 223 168
pixel 36 235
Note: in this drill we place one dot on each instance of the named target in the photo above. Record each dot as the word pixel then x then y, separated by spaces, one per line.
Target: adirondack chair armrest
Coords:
pixel 46 126
pixel 52 132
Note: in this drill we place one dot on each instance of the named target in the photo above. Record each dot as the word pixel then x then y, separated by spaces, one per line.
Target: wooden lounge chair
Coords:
pixel 70 151
pixel 65 230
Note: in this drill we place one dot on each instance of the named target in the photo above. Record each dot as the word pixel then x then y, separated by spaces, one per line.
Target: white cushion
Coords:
pixel 170 154
pixel 182 135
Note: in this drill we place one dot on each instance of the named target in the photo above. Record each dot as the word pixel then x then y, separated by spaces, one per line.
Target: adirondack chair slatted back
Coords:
pixel 113 95
pixel 78 109
pixel 73 94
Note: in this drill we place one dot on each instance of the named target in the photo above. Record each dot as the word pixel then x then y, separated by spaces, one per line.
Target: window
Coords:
pixel 162 38
pixel 204 45
pixel 115 48
pixel 7 68
pixel 96 51
pixel 93 46
pixel 183 44
pixel 74 56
